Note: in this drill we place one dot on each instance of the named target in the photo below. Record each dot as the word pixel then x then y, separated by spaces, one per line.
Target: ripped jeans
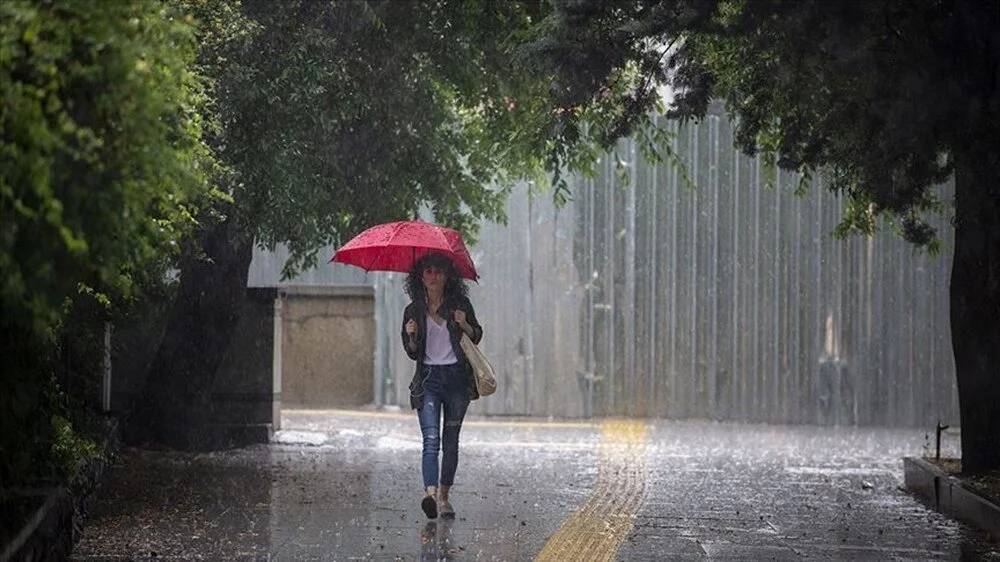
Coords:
pixel 444 391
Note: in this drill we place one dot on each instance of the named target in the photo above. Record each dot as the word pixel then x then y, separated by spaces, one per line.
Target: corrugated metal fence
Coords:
pixel 731 299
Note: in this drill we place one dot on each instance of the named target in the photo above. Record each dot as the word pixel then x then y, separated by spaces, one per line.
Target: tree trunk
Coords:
pixel 176 405
pixel 975 307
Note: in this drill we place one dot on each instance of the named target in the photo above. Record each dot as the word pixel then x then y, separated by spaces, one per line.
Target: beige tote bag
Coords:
pixel 486 383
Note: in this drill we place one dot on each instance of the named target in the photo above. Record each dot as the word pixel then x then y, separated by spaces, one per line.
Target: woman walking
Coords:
pixel 443 382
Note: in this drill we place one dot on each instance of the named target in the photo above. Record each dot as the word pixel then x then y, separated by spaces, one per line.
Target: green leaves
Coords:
pixel 337 116
pixel 70 451
pixel 880 94
pixel 101 154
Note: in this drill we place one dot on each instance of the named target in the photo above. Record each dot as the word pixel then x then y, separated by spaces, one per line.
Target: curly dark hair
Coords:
pixel 454 286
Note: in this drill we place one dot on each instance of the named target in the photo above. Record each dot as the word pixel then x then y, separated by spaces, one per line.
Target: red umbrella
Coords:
pixel 396 246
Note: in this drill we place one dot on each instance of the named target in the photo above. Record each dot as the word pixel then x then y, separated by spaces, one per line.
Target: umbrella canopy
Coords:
pixel 396 246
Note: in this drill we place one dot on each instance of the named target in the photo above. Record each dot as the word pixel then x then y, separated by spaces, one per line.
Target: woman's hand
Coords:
pixel 411 327
pixel 462 323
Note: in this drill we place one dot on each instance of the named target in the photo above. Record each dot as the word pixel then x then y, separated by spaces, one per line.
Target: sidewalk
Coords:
pixel 346 486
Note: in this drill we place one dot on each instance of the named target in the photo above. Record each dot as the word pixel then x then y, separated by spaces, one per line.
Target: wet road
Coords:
pixel 346 486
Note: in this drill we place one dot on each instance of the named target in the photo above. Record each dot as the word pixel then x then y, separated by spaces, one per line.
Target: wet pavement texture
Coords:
pixel 340 485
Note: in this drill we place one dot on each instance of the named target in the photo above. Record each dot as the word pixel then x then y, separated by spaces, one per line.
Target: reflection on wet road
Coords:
pixel 346 486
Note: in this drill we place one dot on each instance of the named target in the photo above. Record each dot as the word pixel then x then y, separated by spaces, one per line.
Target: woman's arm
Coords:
pixel 471 326
pixel 411 344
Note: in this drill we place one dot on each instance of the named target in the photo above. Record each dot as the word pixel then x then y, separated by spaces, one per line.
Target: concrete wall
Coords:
pixel 327 346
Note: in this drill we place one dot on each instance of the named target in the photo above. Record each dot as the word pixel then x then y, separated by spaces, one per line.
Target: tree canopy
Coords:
pixel 102 161
pixel 338 115
pixel 877 94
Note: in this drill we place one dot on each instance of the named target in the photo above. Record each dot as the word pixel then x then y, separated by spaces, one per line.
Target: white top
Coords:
pixel 438 350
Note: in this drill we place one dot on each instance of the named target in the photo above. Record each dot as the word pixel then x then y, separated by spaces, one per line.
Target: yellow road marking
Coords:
pixel 597 529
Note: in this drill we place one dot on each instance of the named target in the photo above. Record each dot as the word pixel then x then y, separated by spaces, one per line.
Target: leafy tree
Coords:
pixel 102 163
pixel 335 116
pixel 101 157
pixel 889 98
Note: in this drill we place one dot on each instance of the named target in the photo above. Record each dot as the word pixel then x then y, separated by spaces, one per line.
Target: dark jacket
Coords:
pixel 418 312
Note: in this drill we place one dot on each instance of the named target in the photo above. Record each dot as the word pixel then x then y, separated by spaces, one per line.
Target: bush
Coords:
pixel 102 168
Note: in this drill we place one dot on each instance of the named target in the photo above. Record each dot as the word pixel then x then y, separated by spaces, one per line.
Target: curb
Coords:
pixel 947 495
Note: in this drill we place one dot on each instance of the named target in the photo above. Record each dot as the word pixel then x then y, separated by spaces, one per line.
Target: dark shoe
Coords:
pixel 430 507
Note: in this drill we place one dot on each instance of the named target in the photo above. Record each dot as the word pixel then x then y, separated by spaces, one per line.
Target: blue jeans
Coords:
pixel 444 391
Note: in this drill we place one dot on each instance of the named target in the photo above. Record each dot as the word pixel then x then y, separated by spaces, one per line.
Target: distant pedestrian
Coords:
pixel 443 382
